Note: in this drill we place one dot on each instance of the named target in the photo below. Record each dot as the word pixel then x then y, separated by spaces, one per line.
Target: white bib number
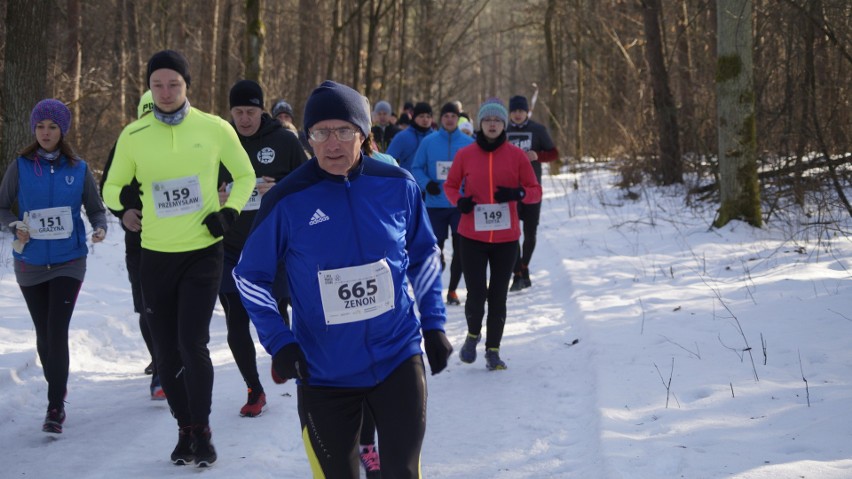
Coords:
pixel 356 293
pixel 492 217
pixel 177 197
pixel 442 169
pixel 51 223
pixel 253 203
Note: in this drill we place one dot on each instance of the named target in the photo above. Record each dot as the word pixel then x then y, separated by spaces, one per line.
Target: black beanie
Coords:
pixel 450 107
pixel 246 93
pixel 169 59
pixel 335 101
pixel 420 108
pixel 518 102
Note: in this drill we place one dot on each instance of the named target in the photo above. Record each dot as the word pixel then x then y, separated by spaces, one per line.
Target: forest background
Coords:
pixel 617 80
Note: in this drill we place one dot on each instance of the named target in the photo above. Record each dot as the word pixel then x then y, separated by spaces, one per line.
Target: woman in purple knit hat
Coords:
pixel 50 185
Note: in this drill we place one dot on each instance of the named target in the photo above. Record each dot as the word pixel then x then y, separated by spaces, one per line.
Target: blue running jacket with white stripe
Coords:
pixel 319 222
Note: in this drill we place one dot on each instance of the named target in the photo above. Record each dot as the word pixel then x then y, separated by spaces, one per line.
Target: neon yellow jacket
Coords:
pixel 162 156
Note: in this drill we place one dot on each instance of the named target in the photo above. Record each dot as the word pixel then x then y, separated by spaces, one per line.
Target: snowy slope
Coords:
pixel 649 289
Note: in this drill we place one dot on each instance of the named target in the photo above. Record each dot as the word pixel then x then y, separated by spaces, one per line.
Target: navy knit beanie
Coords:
pixel 53 110
pixel 492 107
pixel 168 59
pixel 450 107
pixel 420 108
pixel 519 102
pixel 282 106
pixel 335 101
pixel 246 93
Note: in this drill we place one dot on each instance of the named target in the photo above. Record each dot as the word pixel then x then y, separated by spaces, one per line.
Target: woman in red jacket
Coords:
pixel 486 181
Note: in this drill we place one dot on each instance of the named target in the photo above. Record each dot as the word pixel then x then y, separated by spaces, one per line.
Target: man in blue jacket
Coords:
pixel 353 232
pixel 431 163
pixel 404 144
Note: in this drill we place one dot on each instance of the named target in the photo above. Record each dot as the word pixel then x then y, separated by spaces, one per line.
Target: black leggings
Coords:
pixel 477 257
pixel 179 292
pixel 239 336
pixel 132 258
pixel 331 420
pixel 455 263
pixel 529 215
pixel 51 305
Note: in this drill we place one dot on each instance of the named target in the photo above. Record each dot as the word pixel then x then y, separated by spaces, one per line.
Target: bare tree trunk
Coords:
pixel 255 34
pixel 304 74
pixel 739 186
pixel 25 73
pixel 223 73
pixel 581 92
pixel 212 60
pixel 686 90
pixel 121 53
pixel 670 166
pixel 75 24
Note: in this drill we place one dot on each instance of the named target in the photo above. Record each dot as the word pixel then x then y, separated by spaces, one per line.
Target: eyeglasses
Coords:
pixel 342 134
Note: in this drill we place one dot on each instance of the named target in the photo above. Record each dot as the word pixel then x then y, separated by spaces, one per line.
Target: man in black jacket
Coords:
pixel 534 139
pixel 274 152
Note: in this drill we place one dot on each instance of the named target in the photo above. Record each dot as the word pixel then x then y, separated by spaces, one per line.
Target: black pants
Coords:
pixel 239 336
pixel 132 258
pixel 368 428
pixel 179 292
pixel 51 305
pixel 331 420
pixel 444 220
pixel 477 257
pixel 529 215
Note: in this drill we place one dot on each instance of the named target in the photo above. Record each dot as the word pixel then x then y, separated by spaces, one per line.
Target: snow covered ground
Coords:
pixel 660 385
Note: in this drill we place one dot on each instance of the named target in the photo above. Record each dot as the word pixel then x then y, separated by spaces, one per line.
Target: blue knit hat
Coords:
pixel 53 110
pixel 493 107
pixel 335 101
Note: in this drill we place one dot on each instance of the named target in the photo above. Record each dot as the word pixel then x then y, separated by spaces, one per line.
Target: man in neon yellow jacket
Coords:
pixel 175 154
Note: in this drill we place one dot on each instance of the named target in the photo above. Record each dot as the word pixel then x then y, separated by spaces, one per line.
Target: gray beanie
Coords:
pixel 382 106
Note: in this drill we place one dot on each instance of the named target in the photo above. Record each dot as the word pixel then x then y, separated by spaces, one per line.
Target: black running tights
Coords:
pixel 331 419
pixel 51 305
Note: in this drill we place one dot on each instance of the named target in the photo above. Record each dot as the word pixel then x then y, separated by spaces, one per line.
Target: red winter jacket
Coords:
pixel 478 173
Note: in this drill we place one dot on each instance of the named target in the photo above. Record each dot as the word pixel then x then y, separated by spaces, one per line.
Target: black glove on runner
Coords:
pixel 290 362
pixel 432 188
pixel 438 349
pixel 219 222
pixel 504 194
pixel 465 204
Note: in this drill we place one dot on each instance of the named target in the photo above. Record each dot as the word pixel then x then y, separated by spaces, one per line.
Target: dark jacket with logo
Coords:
pixel 274 152
pixel 533 136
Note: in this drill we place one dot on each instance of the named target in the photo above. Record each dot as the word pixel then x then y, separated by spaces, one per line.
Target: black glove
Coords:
pixel 438 349
pixel 433 188
pixel 220 222
pixel 290 362
pixel 504 194
pixel 465 204
pixel 130 197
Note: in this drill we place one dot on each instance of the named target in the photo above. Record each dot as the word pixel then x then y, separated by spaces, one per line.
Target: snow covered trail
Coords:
pixel 540 417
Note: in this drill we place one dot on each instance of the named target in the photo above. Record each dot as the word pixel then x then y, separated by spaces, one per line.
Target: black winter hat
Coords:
pixel 168 59
pixel 281 106
pixel 450 107
pixel 518 102
pixel 408 105
pixel 246 93
pixel 335 101
pixel 420 108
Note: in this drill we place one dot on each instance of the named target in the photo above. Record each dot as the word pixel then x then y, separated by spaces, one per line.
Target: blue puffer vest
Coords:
pixel 45 184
